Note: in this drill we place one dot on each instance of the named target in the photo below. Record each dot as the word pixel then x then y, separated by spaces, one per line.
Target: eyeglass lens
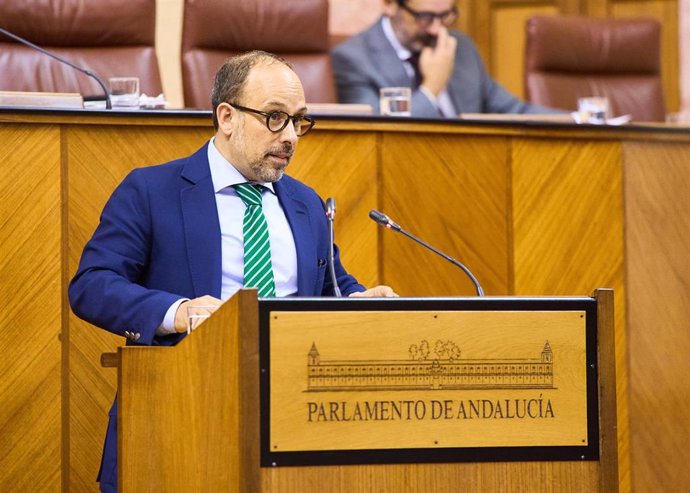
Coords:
pixel 278 120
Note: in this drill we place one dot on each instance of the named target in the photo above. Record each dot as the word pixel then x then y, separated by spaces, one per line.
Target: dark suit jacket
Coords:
pixel 367 62
pixel 159 240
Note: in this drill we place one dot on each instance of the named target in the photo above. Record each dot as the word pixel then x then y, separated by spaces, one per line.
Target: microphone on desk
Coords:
pixel 28 43
pixel 385 221
pixel 330 215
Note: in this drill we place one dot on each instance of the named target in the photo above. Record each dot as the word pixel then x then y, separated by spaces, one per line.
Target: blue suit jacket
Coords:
pixel 158 240
pixel 367 62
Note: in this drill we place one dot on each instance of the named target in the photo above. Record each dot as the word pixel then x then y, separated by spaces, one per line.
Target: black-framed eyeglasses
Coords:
pixel 276 121
pixel 425 19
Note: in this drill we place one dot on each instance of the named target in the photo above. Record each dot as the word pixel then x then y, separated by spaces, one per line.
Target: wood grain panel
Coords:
pixel 452 192
pixel 658 241
pixel 542 185
pixel 30 318
pixel 666 12
pixel 99 158
pixel 568 235
pixel 580 477
pixel 344 167
pixel 508 43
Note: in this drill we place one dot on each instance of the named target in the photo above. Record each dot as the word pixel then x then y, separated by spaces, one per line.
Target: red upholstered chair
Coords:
pixel 296 30
pixel 109 37
pixel 571 57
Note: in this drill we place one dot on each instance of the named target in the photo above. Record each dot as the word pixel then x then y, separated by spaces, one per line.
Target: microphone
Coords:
pixel 385 221
pixel 28 43
pixel 330 215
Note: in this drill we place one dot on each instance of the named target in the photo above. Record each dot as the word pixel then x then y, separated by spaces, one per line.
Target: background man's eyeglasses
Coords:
pixel 425 19
pixel 276 121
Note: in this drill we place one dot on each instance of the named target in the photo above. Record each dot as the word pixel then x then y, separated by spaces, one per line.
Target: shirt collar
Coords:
pixel 223 173
pixel 403 53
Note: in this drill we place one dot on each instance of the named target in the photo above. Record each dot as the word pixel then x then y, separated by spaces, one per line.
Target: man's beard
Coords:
pixel 266 171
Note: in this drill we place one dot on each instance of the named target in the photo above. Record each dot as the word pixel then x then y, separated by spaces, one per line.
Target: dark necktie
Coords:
pixel 258 269
pixel 417 78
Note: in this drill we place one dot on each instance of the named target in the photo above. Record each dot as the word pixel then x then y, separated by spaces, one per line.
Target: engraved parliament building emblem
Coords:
pixel 428 367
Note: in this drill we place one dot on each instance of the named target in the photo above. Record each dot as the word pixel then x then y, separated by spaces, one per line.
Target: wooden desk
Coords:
pixel 532 209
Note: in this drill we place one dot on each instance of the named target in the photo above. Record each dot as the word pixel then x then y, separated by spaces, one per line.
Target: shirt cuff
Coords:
pixel 168 325
pixel 429 95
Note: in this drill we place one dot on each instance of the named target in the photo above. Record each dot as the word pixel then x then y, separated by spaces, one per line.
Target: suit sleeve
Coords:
pixel 357 83
pixel 353 84
pixel 105 291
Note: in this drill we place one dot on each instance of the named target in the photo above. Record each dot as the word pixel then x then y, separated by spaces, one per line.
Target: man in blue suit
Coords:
pixel 411 46
pixel 172 235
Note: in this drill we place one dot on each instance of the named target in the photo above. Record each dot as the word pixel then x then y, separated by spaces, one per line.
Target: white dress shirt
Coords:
pixel 231 213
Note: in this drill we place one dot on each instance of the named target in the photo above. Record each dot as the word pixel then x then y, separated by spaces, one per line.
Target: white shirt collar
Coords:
pixel 403 53
pixel 223 173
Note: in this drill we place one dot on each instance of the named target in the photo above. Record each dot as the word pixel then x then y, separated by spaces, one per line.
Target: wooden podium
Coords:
pixel 266 396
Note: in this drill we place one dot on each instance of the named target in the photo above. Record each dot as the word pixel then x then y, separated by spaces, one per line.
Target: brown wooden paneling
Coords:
pixel 344 167
pixel 490 19
pixel 580 477
pixel 99 157
pixel 658 264
pixel 531 209
pixel 30 318
pixel 452 192
pixel 508 43
pixel 666 12
pixel 568 234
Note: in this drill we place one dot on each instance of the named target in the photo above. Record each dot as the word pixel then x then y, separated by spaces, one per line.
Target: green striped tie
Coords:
pixel 258 271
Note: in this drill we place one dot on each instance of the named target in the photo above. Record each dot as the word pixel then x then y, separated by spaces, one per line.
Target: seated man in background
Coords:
pixel 412 46
pixel 200 228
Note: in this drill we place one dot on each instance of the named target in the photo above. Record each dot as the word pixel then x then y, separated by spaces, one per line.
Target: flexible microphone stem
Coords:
pixel 385 221
pixel 330 215
pixel 26 42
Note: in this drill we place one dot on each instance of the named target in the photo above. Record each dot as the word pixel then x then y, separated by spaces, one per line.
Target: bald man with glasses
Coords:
pixel 197 229
pixel 412 46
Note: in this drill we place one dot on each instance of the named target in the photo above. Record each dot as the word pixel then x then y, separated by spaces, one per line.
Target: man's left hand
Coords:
pixel 376 292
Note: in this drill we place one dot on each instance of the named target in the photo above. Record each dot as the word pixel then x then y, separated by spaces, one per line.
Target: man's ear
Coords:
pixel 225 115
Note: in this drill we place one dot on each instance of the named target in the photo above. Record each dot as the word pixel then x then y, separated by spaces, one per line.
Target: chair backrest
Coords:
pixel 296 30
pixel 568 57
pixel 109 37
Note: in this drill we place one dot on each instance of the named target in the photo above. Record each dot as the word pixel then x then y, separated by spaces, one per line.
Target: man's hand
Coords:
pixel 436 64
pixel 181 313
pixel 376 292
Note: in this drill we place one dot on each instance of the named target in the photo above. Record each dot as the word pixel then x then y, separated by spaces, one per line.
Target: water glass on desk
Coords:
pixel 196 314
pixel 124 92
pixel 593 110
pixel 395 101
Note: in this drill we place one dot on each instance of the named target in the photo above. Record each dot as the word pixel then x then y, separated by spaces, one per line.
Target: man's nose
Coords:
pixel 435 26
pixel 289 133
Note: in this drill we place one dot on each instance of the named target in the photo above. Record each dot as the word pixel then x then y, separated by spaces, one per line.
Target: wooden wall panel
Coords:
pixel 666 12
pixel 31 313
pixel 658 266
pixel 568 234
pixel 99 159
pixel 580 477
pixel 345 167
pixel 508 35
pixel 452 192
pixel 467 189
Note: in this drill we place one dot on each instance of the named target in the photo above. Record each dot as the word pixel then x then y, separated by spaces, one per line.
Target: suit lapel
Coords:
pixel 201 225
pixel 386 59
pixel 297 215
